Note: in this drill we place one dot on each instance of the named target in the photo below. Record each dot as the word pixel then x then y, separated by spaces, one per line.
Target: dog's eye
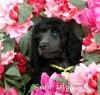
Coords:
pixel 55 34
pixel 38 37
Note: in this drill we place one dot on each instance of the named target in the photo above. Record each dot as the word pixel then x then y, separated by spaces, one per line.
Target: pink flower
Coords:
pixel 61 9
pixel 91 16
pixel 84 80
pixel 38 5
pixel 38 92
pixel 7 9
pixel 11 91
pixel 16 30
pixel 49 86
pixel 9 12
pixel 7 58
pixel 2 91
pixel 89 43
pixel 1 71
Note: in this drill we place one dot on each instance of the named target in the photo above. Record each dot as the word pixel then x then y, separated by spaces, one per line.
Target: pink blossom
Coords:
pixel 38 5
pixel 2 91
pixel 7 9
pixel 89 43
pixel 9 12
pixel 1 71
pixel 84 80
pixel 7 57
pixel 61 9
pixel 91 16
pixel 49 86
pixel 38 92
pixel 16 30
pixel 11 91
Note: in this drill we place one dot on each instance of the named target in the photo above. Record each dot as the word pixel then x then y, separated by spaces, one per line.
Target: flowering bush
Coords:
pixel 11 91
pixel 90 16
pixel 50 86
pixel 61 8
pixel 89 43
pixel 9 19
pixel 86 82
pixel 16 19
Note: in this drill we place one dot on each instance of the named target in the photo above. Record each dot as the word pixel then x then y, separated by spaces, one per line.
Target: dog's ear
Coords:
pixel 74 46
pixel 34 47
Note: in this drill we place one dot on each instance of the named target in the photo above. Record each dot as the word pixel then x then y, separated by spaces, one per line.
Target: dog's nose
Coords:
pixel 43 45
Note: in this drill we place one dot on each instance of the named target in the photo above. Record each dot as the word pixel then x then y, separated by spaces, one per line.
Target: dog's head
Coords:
pixel 51 37
pixel 49 43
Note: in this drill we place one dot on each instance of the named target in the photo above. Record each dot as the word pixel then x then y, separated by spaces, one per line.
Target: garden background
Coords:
pixel 17 19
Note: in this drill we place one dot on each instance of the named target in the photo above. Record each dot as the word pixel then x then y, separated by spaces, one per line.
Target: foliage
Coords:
pixel 17 20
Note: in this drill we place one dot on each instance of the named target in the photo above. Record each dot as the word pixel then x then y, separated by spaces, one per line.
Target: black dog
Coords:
pixel 53 42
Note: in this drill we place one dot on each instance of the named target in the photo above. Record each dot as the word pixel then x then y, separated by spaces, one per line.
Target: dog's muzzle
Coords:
pixel 46 53
pixel 43 46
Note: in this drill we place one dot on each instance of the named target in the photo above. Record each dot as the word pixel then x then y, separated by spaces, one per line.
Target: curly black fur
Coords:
pixel 71 48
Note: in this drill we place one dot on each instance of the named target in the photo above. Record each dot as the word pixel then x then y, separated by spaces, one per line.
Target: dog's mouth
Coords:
pixel 51 55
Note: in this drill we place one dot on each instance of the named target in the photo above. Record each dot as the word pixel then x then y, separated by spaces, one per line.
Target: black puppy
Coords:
pixel 53 42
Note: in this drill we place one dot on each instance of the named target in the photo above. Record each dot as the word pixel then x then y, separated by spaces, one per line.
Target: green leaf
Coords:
pixel 27 57
pixel 78 31
pixel 25 80
pixel 97 38
pixel 30 44
pixel 42 14
pixel 8 44
pixel 1 84
pixel 61 80
pixel 79 3
pixel 14 82
pixel 36 19
pixel 13 71
pixel 87 62
pixel 1 35
pixel 93 57
pixel 19 92
pixel 7 86
pixel 33 86
pixel 25 11
pixel 99 83
pixel 23 43
pixel 10 65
